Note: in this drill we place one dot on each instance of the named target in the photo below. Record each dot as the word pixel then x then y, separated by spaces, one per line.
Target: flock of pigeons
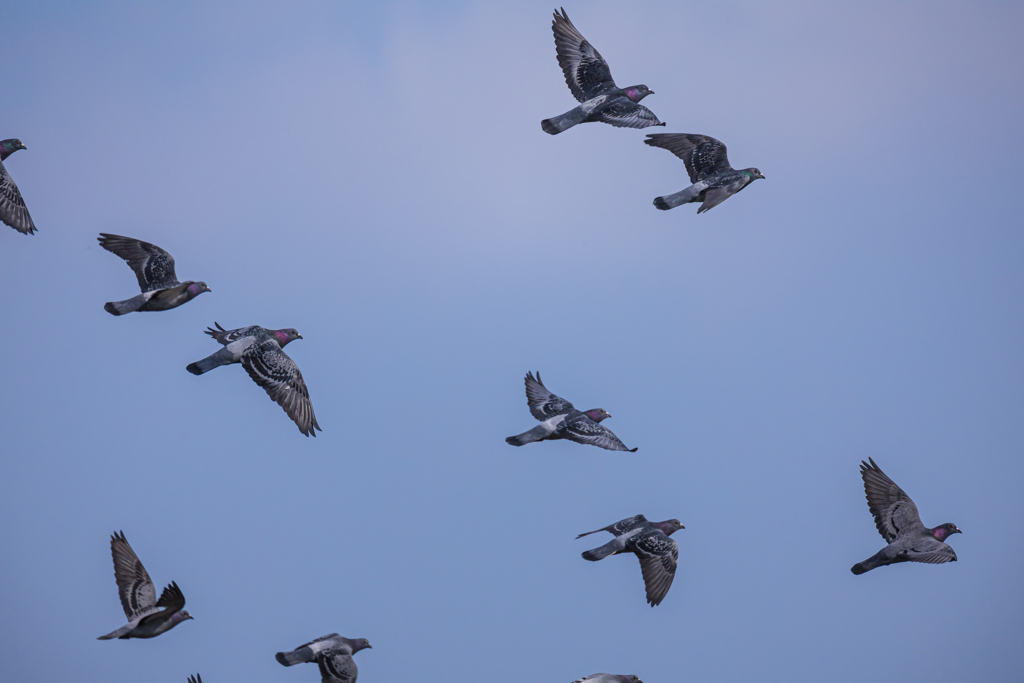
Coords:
pixel 261 352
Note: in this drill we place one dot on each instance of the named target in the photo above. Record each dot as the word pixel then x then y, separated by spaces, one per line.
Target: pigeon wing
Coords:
pixel 703 155
pixel 931 551
pixel 627 114
pixel 195 679
pixel 628 524
pixel 225 337
pixel 582 429
pixel 891 507
pixel 543 404
pixel 272 369
pixel 154 267
pixel 138 596
pixel 172 599
pixel 13 211
pixel 659 556
pixel 330 636
pixel 337 666
pixel 586 72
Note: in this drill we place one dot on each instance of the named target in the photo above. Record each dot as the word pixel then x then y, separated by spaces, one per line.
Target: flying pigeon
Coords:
pixel 609 678
pixel 650 542
pixel 333 653
pixel 590 81
pixel 154 269
pixel 714 180
pixel 898 521
pixel 260 352
pixel 138 597
pixel 12 207
pixel 560 420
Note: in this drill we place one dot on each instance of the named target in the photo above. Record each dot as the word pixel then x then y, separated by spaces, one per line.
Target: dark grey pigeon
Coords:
pixel 259 352
pixel 609 678
pixel 714 180
pixel 560 420
pixel 650 542
pixel 333 654
pixel 590 81
pixel 13 211
pixel 898 521
pixel 138 597
pixel 154 269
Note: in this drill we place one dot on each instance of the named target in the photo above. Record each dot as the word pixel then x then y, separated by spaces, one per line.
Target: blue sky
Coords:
pixel 375 176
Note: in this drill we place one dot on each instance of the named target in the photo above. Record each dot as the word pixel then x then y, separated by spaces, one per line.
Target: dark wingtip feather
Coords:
pixel 659 203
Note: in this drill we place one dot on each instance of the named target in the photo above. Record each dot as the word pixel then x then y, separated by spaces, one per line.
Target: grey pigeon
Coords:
pixel 590 81
pixel 154 268
pixel 13 211
pixel 898 521
pixel 714 180
pixel 560 420
pixel 333 654
pixel 650 542
pixel 609 678
pixel 259 352
pixel 138 597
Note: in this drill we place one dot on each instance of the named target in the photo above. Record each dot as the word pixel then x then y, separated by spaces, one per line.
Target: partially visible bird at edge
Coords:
pixel 13 211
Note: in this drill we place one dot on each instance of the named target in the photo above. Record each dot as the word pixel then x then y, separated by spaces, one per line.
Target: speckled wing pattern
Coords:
pixel 628 524
pixel 659 556
pixel 703 155
pixel 582 429
pixel 930 550
pixel 135 588
pixel 154 267
pixel 13 211
pixel 271 368
pixel 892 508
pixel 586 72
pixel 627 114
pixel 543 404
pixel 337 666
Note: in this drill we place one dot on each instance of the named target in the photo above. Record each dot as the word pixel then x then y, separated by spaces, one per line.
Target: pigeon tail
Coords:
pixel 300 656
pixel 616 545
pixel 119 633
pixel 215 360
pixel 557 124
pixel 860 568
pixel 126 306
pixel 671 201
pixel 536 434
pixel 879 559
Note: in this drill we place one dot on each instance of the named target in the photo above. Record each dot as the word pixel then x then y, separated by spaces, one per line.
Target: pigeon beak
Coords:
pixel 298 336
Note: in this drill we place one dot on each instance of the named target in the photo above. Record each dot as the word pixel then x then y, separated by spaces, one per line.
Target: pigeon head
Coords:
pixel 180 616
pixel 358 644
pixel 637 92
pixel 197 288
pixel 753 173
pixel 944 531
pixel 669 527
pixel 285 336
pixel 9 147
pixel 597 414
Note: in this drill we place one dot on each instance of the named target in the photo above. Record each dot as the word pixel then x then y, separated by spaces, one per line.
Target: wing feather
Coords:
pixel 272 369
pixel 891 507
pixel 13 211
pixel 153 267
pixel 543 404
pixel 135 588
pixel 703 155
pixel 586 72
pixel 582 429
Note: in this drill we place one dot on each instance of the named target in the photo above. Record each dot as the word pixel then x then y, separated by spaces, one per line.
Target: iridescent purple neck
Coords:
pixel 939 532
pixel 177 617
pixel 596 415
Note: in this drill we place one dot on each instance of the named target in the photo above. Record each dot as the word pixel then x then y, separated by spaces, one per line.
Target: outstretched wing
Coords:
pixel 172 599
pixel 272 369
pixel 891 507
pixel 930 551
pixel 154 267
pixel 138 596
pixel 586 72
pixel 225 337
pixel 621 526
pixel 337 666
pixel 659 556
pixel 543 404
pixel 703 155
pixel 582 429
pixel 13 211
pixel 627 114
